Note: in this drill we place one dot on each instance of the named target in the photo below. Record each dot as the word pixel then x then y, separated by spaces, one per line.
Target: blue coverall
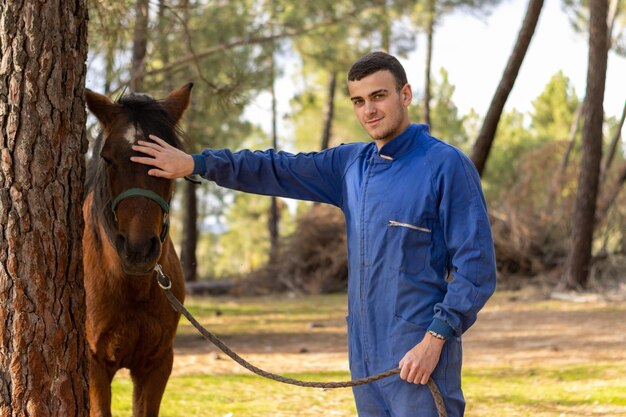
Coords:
pixel 420 250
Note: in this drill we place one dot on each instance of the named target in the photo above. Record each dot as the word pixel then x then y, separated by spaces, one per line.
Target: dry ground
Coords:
pixel 517 330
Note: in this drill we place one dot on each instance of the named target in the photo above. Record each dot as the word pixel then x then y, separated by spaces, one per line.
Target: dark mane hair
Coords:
pixel 378 61
pixel 151 117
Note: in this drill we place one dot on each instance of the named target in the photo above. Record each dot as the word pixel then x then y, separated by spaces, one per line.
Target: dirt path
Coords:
pixel 514 329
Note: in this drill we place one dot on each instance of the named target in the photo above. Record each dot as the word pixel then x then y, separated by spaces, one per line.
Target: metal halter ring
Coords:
pixel 162 279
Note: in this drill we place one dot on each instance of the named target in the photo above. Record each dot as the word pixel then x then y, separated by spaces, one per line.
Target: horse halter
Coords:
pixel 151 195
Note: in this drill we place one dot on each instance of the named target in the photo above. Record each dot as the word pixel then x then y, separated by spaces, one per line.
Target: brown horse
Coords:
pixel 130 323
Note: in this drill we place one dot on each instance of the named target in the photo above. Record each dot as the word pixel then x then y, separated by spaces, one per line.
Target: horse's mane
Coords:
pixel 150 116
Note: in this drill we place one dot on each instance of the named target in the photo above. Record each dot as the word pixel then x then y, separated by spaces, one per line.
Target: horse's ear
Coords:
pixel 103 108
pixel 177 101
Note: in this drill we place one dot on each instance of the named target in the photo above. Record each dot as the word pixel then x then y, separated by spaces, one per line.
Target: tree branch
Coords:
pixel 250 40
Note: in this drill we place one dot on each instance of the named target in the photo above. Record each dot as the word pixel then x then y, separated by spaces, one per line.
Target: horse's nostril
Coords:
pixel 155 248
pixel 120 243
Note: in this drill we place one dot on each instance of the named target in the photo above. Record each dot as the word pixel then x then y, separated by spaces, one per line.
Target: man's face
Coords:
pixel 379 106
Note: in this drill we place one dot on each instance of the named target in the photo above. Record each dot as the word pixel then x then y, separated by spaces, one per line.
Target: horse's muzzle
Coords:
pixel 138 258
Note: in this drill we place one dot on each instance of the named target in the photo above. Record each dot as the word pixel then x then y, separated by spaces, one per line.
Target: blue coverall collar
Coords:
pixel 404 142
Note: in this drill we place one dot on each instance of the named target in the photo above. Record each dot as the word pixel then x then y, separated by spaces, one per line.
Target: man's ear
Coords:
pixel 407 94
pixel 177 101
pixel 101 107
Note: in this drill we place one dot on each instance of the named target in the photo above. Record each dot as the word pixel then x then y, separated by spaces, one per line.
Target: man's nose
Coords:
pixel 370 108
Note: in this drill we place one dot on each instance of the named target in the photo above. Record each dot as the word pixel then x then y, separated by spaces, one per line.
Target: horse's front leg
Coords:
pixel 100 377
pixel 149 386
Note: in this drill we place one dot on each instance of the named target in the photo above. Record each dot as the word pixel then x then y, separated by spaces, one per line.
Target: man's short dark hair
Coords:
pixel 378 61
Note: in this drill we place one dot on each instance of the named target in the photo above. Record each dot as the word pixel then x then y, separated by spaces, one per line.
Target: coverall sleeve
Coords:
pixel 467 235
pixel 314 176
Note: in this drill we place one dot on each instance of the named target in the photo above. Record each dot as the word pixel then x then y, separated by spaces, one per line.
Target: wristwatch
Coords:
pixel 436 335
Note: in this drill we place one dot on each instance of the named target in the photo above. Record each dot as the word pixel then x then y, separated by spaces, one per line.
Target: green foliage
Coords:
pixel 554 110
pixel 445 120
pixel 550 122
pixel 512 141
pixel 307 114
pixel 244 247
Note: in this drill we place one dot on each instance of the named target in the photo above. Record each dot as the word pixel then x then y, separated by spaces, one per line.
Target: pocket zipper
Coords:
pixel 410 226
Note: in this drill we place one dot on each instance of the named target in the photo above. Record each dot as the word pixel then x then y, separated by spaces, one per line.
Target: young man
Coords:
pixel 421 258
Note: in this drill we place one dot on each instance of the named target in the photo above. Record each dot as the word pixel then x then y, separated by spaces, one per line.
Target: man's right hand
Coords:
pixel 168 161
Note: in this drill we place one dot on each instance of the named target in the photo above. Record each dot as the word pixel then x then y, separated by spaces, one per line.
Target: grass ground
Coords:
pixel 526 356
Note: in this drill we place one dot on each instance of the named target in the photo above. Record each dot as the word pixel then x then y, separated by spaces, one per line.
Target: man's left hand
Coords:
pixel 420 362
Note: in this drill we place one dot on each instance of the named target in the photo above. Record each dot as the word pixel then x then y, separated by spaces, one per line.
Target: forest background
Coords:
pixel 271 73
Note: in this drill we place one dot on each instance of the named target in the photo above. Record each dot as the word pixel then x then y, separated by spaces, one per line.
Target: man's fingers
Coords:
pixel 159 141
pixel 412 375
pixel 146 144
pixel 413 372
pixel 146 150
pixel 160 173
pixel 145 160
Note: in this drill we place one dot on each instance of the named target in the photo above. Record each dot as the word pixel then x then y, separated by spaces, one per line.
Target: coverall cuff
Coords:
pixel 199 164
pixel 442 328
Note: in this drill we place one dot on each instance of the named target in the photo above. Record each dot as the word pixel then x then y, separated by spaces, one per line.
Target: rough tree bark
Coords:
pixel 43 366
pixel 583 219
pixel 481 150
pixel 140 42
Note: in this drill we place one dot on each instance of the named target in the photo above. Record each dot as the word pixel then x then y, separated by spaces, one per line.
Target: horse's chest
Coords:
pixel 131 336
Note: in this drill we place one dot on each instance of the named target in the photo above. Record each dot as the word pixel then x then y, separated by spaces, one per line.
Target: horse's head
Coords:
pixel 132 206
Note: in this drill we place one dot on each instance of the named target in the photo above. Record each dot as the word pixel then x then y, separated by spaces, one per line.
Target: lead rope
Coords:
pixel 166 285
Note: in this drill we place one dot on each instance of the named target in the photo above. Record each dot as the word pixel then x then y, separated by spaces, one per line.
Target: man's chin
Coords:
pixel 378 135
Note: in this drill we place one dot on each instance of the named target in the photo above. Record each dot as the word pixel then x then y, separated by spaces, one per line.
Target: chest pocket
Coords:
pixel 408 245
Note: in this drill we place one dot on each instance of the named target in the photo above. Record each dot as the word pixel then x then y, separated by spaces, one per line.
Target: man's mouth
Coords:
pixel 373 121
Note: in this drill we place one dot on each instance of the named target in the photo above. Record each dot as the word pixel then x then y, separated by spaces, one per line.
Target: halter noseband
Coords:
pixel 151 195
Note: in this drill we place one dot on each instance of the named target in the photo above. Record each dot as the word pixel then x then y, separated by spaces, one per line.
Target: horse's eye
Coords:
pixel 106 160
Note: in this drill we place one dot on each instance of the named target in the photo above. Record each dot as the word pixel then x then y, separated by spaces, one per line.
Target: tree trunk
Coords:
pixel 612 14
pixel 189 243
pixel 140 42
pixel 385 32
pixel 43 364
pixel 583 219
pixel 611 195
pixel 481 150
pixel 330 111
pixel 573 130
pixel 610 22
pixel 613 147
pixel 109 69
pixel 164 49
pixel 274 217
pixel 190 234
pixel 429 54
pixel 560 175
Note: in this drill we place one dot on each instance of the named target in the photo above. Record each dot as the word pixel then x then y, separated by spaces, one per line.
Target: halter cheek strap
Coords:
pixel 151 195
